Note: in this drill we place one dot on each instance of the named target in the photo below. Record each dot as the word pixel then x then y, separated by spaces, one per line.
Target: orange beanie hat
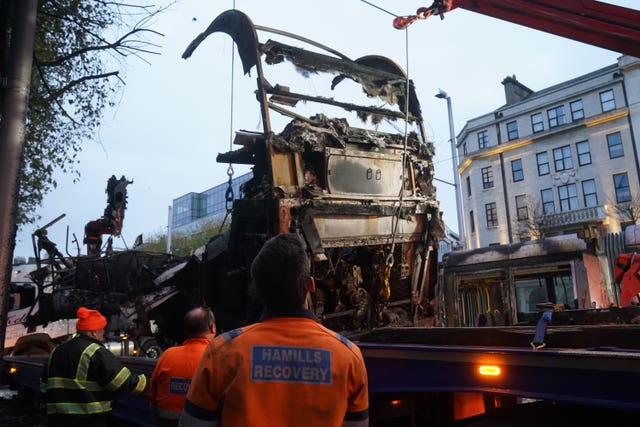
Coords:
pixel 90 320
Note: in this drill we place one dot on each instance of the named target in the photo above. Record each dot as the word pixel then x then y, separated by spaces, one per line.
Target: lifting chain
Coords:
pixel 386 290
pixel 439 7
pixel 228 197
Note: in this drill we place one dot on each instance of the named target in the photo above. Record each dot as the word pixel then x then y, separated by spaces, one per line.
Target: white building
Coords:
pixel 558 161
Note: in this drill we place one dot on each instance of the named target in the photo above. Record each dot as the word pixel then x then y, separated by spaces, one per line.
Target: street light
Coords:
pixel 454 159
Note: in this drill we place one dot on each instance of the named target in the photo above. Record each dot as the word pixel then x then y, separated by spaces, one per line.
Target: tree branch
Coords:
pixel 53 95
pixel 120 43
pixel 45 83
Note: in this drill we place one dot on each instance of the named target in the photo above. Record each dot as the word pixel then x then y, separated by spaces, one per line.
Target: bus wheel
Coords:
pixel 150 348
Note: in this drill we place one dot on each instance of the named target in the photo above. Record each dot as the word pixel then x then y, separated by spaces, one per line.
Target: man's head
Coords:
pixel 199 322
pixel 281 274
pixel 91 323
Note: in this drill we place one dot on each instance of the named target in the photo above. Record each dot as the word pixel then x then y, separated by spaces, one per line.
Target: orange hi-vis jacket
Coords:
pixel 172 376
pixel 281 371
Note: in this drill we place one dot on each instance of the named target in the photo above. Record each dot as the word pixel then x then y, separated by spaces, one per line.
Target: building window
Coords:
pixel 621 184
pixel 492 214
pixel 584 153
pixel 607 101
pixel 589 193
pixel 512 130
pixel 472 222
pixel 614 140
pixel 469 186
pixel 211 202
pixel 556 116
pixel 516 170
pixel 521 207
pixel 543 163
pixel 536 123
pixel 562 158
pixel 577 111
pixel 548 206
pixel 483 139
pixel 568 195
pixel 464 148
pixel 487 177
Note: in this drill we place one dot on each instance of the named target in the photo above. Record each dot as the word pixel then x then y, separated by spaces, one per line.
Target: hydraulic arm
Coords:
pixel 597 23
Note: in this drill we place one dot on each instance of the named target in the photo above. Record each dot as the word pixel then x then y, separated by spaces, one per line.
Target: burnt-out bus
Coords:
pixel 512 284
pixel 342 160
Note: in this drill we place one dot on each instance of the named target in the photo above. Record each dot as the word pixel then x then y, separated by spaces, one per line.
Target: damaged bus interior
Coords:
pixel 353 178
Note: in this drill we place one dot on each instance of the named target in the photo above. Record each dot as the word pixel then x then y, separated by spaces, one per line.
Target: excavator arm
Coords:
pixel 594 22
pixel 111 222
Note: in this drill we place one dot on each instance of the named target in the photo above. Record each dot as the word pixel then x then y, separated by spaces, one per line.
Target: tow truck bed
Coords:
pixel 413 370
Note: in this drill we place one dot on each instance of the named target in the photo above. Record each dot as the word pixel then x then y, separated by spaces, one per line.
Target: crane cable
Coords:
pixel 228 195
pixel 386 289
pixel 396 218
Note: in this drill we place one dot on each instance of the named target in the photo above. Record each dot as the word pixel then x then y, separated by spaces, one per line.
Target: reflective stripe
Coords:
pixel 344 340
pixel 361 423
pixel 357 416
pixel 228 336
pixel 49 359
pixel 142 384
pixel 79 408
pixel 119 379
pixel 83 365
pixel 69 384
pixel 188 420
pixel 44 382
pixel 167 414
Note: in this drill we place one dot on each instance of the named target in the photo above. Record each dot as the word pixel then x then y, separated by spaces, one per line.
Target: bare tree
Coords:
pixel 529 222
pixel 81 48
pixel 627 212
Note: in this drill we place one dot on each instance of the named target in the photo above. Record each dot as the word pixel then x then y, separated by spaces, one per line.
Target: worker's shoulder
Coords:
pixel 170 353
pixel 317 334
pixel 350 345
pixel 228 336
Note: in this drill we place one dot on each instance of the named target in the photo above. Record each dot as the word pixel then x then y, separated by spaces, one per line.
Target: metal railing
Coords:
pixel 573 217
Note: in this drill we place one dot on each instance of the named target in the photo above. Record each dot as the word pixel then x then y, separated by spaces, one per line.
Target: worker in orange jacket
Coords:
pixel 285 370
pixel 175 367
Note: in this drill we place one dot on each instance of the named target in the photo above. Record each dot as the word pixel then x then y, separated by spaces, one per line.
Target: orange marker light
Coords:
pixel 489 370
pixel 395 402
pixel 13 370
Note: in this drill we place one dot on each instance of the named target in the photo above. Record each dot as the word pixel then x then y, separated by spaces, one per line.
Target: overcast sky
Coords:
pixel 173 117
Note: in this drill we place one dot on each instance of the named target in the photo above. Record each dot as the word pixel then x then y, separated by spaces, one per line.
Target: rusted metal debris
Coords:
pixel 362 198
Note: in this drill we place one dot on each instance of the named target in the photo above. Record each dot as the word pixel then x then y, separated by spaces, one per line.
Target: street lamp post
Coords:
pixel 454 160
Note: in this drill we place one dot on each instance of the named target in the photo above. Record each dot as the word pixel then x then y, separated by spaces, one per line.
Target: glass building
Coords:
pixel 210 204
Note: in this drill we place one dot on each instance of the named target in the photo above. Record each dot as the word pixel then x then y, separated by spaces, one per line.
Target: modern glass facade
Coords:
pixel 193 207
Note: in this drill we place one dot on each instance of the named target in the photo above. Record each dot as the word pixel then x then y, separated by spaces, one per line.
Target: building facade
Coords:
pixel 562 160
pixel 193 209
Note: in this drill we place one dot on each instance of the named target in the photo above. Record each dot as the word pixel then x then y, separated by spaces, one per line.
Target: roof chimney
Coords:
pixel 514 91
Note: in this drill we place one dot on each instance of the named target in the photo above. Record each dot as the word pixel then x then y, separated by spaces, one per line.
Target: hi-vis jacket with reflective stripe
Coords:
pixel 282 371
pixel 82 377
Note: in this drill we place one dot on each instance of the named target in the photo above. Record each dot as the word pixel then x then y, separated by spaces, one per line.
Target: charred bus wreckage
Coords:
pixel 361 197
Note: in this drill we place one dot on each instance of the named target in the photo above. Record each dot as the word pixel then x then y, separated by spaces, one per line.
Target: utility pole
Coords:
pixel 454 160
pixel 14 87
pixel 169 228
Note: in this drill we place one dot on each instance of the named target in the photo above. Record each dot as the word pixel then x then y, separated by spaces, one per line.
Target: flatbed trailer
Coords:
pixel 459 376
pixel 462 376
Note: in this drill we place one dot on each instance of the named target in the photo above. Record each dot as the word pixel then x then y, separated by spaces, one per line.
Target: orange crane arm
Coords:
pixel 600 24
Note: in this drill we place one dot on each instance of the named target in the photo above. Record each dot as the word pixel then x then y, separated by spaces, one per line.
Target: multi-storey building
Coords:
pixel 193 209
pixel 558 161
